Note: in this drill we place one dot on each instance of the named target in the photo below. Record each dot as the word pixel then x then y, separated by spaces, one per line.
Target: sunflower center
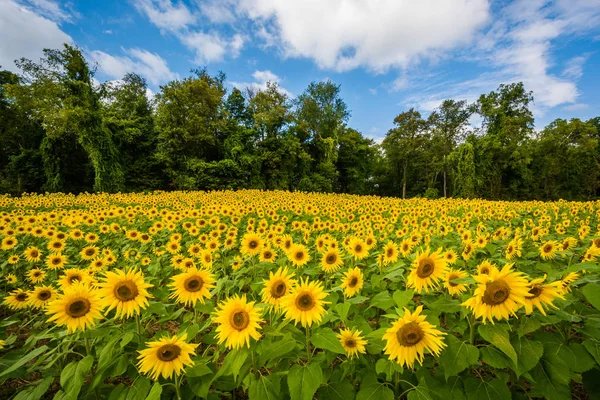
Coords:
pixel 90 252
pixel 534 292
pixel 44 295
pixel 425 268
pixel 168 352
pixel 484 271
pixel 278 289
pixel 78 308
pixel 34 253
pixel 389 252
pixel 267 255
pixel 56 261
pixel 21 297
pixel 126 290
pixel 410 334
pixel 299 255
pixel 305 302
pixel 37 274
pixel 240 320
pixel 353 282
pixel 496 293
pixel 331 259
pixel 350 343
pixel 193 284
pixel 450 278
pixel 74 278
pixel 253 244
pixel 358 248
pixel 547 248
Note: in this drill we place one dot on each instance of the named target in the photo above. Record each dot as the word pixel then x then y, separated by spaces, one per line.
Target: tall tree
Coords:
pixel 402 141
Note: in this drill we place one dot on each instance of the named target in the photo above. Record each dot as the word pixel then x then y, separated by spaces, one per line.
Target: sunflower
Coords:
pixel 41 296
pixel 73 276
pixel 541 294
pixel 390 253
pixel 409 337
pixel 13 259
pixel 238 321
pixel 298 255
pixel 450 256
pixel 331 261
pixel 88 253
pixel 56 261
pixel 358 248
pixel 8 243
pixel 267 255
pixel 125 291
pixel 455 288
pixel 305 303
pixel 236 263
pixel 166 356
pixel 251 244
pixel 79 308
pixel 56 246
pixel 36 275
pixel 548 249
pixel 2 343
pixel 278 285
pixel 566 281
pixel 32 254
pixel 352 342
pixel 468 250
pixel 352 282
pixel 11 279
pixel 499 294
pixel 406 247
pixel 17 299
pixel 192 286
pixel 486 267
pixel 513 249
pixel 428 269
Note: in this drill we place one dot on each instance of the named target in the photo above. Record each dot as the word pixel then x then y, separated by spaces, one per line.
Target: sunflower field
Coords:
pixel 280 295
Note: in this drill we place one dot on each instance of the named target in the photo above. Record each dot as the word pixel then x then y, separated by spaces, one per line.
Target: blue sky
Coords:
pixel 388 55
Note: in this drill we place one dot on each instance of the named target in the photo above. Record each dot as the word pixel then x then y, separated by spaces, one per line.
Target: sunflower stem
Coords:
pixel 177 389
pixel 86 342
pixel 471 321
pixel 138 323
pixel 308 352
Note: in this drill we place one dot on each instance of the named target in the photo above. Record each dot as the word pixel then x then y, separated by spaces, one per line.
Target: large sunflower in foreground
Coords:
pixel 499 294
pixel 409 337
pixel 541 295
pixel 124 291
pixel 166 356
pixel 428 269
pixel 352 342
pixel 192 286
pixel 352 281
pixel 305 303
pixel 238 321
pixel 79 308
pixel 279 284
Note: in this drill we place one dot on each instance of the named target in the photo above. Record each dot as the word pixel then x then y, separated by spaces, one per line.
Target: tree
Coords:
pixel 449 123
pixel 402 141
pixel 355 162
pixel 59 93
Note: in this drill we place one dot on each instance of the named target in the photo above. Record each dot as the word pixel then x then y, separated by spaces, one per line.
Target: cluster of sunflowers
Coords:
pixel 295 295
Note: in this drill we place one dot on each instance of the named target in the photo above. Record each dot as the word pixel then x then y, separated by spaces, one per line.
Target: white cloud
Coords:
pixel 166 15
pixel 149 65
pixel 347 34
pixel 50 9
pixel 260 82
pixel 217 12
pixel 210 47
pixel 576 107
pixel 25 33
pixel 574 67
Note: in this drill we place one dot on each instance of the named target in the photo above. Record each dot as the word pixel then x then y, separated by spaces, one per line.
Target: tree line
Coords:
pixel 60 131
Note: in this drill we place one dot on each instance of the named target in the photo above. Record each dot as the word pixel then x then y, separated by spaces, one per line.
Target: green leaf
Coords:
pixel 326 339
pixel 261 389
pixel 591 291
pixel 342 310
pixel 73 375
pixel 278 349
pixel 494 357
pixel 457 356
pixel 233 362
pixel 528 325
pixel 529 353
pixel 140 388
pixel 303 381
pixel 24 360
pixel 487 390
pixel 498 336
pixel 375 391
pixel 387 367
pixel 552 378
pixel 36 391
pixel 403 297
pixel 420 392
pixel 382 300
pixel 593 347
pixel 591 383
pixel 337 391
pixel 155 392
pixel 443 390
